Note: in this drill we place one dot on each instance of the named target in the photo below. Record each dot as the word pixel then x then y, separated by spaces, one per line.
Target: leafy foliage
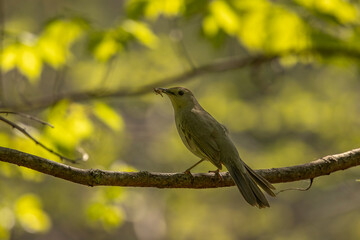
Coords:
pixel 298 107
pixel 259 25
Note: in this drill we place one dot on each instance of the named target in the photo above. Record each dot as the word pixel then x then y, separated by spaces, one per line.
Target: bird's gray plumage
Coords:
pixel 208 139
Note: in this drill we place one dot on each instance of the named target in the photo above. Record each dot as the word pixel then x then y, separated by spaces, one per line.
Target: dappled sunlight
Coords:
pixel 55 42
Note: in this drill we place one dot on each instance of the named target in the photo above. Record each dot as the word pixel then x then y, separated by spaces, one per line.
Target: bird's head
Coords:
pixel 180 97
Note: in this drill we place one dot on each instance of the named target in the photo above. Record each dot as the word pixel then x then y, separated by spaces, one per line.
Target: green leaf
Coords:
pixel 52 52
pixel 271 27
pixel 52 46
pixel 71 125
pixel 57 38
pixel 29 62
pixel 225 16
pixel 210 26
pixel 8 58
pixel 108 116
pixel 25 57
pixel 141 32
pixel 106 48
pixel 64 31
pixel 341 10
pixel 30 214
pixel 154 9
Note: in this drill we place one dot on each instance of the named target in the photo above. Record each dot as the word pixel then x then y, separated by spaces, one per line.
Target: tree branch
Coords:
pixel 220 65
pixel 96 177
pixel 217 66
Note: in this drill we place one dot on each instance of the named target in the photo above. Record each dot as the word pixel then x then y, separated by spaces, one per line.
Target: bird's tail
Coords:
pixel 247 180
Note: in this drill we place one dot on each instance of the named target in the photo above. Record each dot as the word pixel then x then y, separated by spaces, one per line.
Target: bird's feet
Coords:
pixel 217 174
pixel 187 172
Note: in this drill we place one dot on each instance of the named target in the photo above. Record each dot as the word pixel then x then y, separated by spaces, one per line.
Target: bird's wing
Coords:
pixel 199 131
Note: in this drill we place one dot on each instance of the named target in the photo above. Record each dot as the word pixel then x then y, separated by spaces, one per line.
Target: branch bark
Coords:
pixel 95 177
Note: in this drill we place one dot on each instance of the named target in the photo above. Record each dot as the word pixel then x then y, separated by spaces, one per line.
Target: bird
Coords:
pixel 209 140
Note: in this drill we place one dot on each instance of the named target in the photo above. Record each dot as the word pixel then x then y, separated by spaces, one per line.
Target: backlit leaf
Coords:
pixel 30 214
pixel 225 16
pixel 342 10
pixel 52 52
pixel 107 47
pixel 29 62
pixel 168 8
pixel 108 116
pixel 210 26
pixel 8 57
pixel 71 125
pixel 141 32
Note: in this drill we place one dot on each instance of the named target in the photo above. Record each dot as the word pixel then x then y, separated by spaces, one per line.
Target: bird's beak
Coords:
pixel 163 90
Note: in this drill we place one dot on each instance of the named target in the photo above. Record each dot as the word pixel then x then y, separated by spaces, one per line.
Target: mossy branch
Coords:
pixel 95 177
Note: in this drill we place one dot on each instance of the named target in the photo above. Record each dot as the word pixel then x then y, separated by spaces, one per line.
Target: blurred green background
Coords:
pixel 301 105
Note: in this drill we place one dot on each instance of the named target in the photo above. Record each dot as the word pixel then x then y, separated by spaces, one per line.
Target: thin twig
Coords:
pixel 297 189
pixel 218 66
pixel 109 68
pixel 23 131
pixel 27 116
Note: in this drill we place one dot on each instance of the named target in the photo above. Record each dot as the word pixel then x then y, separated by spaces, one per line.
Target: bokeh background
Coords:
pixel 299 102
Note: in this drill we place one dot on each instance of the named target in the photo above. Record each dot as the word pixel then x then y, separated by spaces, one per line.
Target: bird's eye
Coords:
pixel 181 93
